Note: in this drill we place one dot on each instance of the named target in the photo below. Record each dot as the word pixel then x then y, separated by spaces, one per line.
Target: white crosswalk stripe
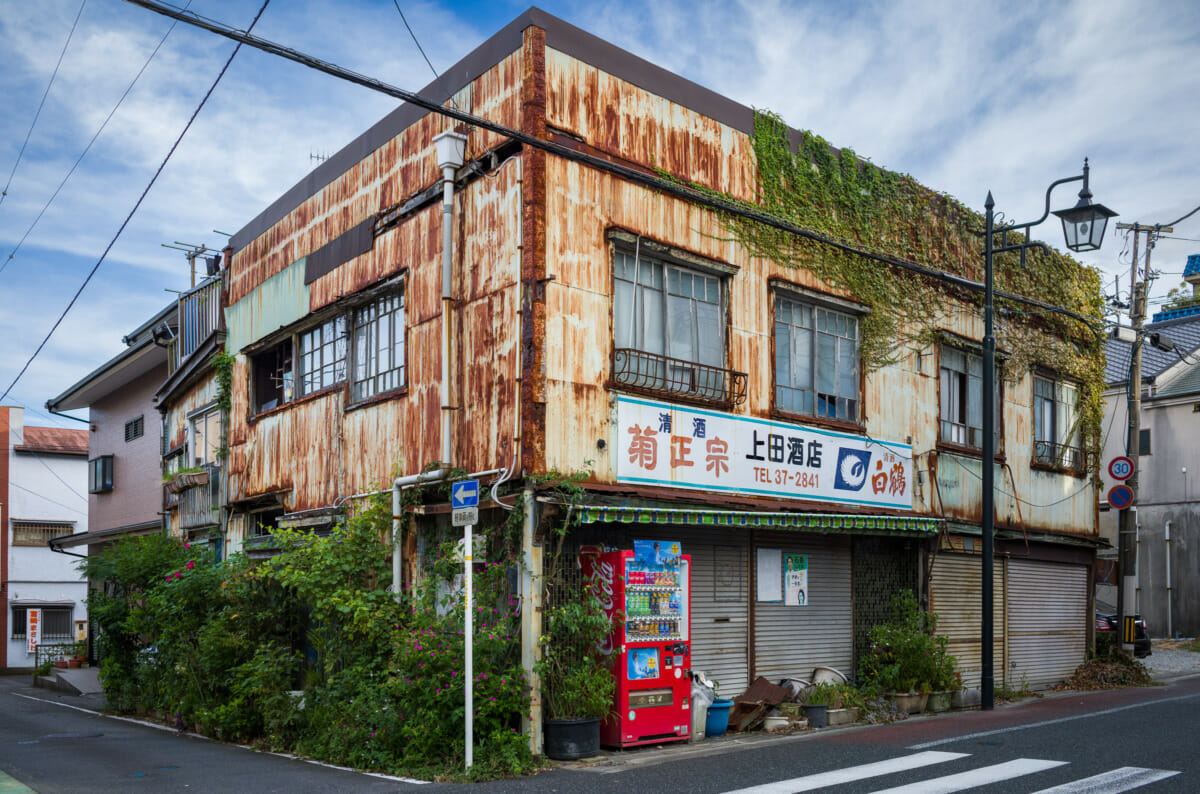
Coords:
pixel 1112 782
pixel 851 773
pixel 976 777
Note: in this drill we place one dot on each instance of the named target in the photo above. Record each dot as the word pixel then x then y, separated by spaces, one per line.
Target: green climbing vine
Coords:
pixel 851 200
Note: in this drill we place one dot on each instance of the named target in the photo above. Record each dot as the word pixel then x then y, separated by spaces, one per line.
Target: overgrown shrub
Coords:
pixel 224 647
pixel 906 655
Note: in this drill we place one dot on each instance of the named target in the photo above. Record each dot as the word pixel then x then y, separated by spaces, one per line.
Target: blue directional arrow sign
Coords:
pixel 464 493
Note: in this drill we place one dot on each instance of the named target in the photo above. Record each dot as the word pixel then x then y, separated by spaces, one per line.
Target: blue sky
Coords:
pixel 966 97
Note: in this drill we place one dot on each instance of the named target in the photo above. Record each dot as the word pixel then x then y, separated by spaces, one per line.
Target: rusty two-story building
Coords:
pixel 563 313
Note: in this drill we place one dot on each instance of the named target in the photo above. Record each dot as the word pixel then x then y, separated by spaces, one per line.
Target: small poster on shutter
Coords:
pixel 795 580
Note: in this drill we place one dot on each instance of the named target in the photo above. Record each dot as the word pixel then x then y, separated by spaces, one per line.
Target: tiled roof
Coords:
pixel 1193 266
pixel 1187 383
pixel 1183 331
pixel 54 440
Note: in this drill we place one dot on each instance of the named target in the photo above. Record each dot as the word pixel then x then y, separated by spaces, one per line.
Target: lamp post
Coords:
pixel 1083 227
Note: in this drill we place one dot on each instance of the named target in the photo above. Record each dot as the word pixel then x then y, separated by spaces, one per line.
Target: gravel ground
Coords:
pixel 1170 660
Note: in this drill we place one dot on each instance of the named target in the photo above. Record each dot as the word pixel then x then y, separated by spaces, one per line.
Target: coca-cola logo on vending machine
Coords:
pixel 600 575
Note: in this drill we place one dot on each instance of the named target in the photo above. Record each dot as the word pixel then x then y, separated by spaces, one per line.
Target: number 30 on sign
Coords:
pixel 1120 468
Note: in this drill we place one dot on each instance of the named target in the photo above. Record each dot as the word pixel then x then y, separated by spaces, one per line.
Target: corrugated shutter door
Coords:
pixel 955 594
pixel 1047 622
pixel 719 615
pixel 789 641
pixel 719 606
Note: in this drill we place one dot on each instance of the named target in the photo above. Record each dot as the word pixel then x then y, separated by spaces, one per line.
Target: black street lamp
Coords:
pixel 1083 227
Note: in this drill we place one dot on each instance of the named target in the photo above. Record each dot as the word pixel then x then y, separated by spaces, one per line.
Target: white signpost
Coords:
pixel 464 504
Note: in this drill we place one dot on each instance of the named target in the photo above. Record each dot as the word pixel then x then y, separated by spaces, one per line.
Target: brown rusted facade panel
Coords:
pixel 398 169
pixel 623 120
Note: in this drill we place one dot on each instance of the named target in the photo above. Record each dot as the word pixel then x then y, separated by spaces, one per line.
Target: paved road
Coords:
pixel 48 744
pixel 1096 742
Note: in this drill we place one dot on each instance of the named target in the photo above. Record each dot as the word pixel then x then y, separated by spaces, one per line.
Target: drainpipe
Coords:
pixel 1167 536
pixel 450 152
pixel 399 485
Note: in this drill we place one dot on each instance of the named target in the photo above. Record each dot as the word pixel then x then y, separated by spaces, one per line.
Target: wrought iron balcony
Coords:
pixel 673 377
pixel 1048 453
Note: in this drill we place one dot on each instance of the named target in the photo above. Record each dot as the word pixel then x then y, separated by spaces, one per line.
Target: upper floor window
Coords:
pixel 816 360
pixel 961 392
pixel 206 438
pixel 323 355
pixel 1056 436
pixel 669 329
pixel 273 377
pixel 100 474
pixel 134 429
pixel 379 347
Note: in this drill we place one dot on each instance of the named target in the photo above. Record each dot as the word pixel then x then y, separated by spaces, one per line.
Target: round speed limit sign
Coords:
pixel 1120 468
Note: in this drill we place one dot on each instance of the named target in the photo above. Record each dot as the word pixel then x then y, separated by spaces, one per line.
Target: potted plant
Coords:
pixel 906 658
pixel 577 686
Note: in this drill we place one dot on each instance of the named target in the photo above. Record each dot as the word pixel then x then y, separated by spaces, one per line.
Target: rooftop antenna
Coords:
pixel 190 252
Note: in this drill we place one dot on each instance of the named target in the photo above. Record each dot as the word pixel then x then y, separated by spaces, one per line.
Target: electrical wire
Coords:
pixel 1181 218
pixel 41 104
pixel 8 430
pixel 1025 502
pixel 138 204
pixel 437 77
pixel 87 148
pixel 666 186
pixel 12 484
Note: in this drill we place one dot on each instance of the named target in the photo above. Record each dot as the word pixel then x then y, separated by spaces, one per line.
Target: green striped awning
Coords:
pixel 826 523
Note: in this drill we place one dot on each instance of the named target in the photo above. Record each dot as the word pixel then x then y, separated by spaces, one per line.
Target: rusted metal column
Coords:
pixel 533 254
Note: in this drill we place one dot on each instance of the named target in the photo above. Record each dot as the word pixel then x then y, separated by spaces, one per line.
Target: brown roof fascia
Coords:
pixel 54 441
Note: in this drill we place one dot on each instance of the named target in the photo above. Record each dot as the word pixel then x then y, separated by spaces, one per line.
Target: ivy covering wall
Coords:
pixel 843 197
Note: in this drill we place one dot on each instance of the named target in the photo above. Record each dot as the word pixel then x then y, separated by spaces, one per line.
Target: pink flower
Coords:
pixel 187 545
pixel 169 577
pixel 178 575
pixel 191 565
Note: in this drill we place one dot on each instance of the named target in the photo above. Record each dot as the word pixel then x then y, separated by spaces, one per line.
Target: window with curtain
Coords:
pixel 961 393
pixel 666 318
pixel 1056 436
pixel 816 360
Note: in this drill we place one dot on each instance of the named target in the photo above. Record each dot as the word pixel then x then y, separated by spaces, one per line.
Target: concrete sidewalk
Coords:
pixel 72 681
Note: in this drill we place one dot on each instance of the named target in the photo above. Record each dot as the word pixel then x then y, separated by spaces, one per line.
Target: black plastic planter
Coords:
pixel 568 740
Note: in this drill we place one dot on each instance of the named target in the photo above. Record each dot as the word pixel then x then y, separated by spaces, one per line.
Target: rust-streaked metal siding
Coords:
pixel 385 176
pixel 900 400
pixel 315 450
pixel 202 393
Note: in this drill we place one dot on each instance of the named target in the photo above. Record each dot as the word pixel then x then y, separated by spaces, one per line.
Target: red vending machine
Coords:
pixel 649 609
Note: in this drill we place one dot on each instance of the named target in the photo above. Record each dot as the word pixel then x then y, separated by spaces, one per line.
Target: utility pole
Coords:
pixel 1127 522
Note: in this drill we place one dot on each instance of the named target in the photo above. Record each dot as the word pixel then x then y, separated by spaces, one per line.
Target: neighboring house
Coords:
pixel 44 476
pixel 124 449
pixel 716 398
pixel 1168 469
pixel 124 460
pixel 193 420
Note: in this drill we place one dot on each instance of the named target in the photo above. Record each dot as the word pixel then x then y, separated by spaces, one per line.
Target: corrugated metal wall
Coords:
pixel 789 641
pixel 1047 622
pixel 956 596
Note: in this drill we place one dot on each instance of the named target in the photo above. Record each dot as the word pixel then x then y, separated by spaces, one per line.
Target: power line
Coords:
pixel 47 498
pixel 666 186
pixel 138 204
pixel 87 148
pixel 41 104
pixel 420 49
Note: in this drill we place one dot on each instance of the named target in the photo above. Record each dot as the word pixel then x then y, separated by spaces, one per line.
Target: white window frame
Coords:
pixel 204 437
pixel 323 355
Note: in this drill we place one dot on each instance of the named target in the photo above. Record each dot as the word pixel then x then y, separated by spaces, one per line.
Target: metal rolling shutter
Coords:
pixel 719 605
pixel 956 596
pixel 789 641
pixel 1047 622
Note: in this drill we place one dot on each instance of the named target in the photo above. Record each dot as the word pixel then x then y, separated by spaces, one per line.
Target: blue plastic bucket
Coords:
pixel 718 717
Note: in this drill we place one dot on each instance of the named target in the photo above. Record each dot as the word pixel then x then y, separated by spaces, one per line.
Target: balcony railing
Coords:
pixel 1048 453
pixel 672 377
pixel 200 505
pixel 199 315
